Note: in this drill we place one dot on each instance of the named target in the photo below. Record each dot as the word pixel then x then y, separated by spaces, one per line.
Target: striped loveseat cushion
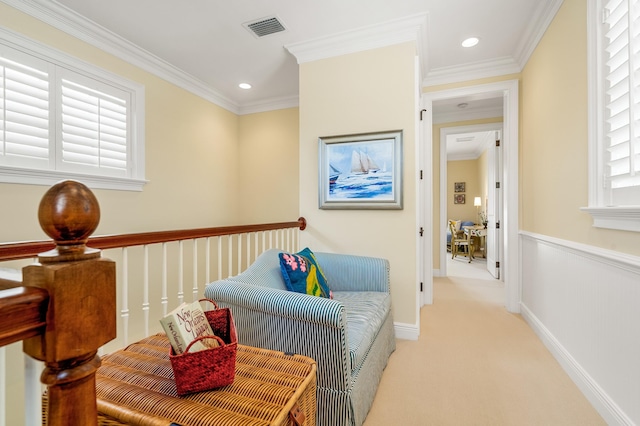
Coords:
pixel 366 311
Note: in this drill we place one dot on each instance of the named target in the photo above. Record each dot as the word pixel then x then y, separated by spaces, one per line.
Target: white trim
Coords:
pixel 467 115
pixel 471 71
pixel 579 375
pixel 136 182
pixel 624 218
pixel 411 28
pixel 537 27
pixel 78 26
pixel 502 66
pixel 51 177
pixel 509 90
pixel 406 331
pixel 566 335
pixel 611 258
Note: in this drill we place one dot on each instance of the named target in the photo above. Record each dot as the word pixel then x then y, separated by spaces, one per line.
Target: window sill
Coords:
pixel 48 178
pixel 621 218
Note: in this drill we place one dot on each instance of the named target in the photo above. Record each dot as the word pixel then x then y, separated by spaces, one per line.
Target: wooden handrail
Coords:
pixel 23 313
pixel 29 249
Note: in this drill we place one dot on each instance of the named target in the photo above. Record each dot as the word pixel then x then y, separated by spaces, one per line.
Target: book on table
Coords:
pixel 185 324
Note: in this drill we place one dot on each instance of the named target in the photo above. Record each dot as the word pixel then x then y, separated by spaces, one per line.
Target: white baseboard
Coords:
pixel 607 408
pixel 406 331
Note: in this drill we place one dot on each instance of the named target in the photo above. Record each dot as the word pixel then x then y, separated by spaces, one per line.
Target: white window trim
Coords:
pixel 50 177
pixel 626 218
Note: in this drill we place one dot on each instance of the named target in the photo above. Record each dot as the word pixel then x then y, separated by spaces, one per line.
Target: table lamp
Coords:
pixel 477 203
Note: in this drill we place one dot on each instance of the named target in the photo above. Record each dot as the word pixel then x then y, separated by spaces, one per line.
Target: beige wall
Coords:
pixel 269 172
pixel 191 155
pixel 466 171
pixel 356 93
pixel 553 165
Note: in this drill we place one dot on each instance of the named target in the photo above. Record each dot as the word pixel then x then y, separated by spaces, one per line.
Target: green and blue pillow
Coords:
pixel 302 273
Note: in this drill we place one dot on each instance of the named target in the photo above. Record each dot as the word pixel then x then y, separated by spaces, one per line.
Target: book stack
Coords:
pixel 185 324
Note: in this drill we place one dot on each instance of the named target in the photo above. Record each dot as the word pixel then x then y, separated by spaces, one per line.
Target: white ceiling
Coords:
pixel 203 45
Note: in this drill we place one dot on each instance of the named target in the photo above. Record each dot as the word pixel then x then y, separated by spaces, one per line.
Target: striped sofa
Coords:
pixel 351 337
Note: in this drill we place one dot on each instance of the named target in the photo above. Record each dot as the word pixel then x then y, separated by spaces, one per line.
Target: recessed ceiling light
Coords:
pixel 470 42
pixel 244 86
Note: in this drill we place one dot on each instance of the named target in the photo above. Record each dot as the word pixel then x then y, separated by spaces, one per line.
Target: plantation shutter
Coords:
pixel 621 62
pixel 24 111
pixel 93 128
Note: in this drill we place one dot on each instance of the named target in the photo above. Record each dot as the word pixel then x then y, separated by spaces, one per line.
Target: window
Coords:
pixel 61 118
pixel 614 98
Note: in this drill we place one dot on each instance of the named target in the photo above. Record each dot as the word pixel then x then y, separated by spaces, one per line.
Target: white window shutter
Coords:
pixel 94 129
pixel 25 113
pixel 621 62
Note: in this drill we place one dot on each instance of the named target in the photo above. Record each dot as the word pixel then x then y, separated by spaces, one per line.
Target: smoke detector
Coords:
pixel 265 26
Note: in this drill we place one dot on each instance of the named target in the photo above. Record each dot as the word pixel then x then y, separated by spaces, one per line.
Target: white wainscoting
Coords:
pixel 584 303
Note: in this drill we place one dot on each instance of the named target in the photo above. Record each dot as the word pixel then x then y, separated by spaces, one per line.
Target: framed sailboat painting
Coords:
pixel 361 171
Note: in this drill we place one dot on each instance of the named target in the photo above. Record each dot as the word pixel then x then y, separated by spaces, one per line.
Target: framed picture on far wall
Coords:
pixel 458 199
pixel 458 187
pixel 361 171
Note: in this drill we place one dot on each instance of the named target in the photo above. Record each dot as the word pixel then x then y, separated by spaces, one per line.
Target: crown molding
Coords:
pixel 471 71
pixel 411 28
pixel 90 32
pixel 269 105
pixel 535 31
pixel 453 117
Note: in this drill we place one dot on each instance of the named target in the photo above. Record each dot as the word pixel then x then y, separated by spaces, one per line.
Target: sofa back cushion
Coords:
pixel 265 271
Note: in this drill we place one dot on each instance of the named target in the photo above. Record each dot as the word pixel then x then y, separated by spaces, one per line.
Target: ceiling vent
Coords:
pixel 265 26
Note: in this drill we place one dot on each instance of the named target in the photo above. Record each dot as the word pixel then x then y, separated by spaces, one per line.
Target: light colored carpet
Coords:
pixel 476 364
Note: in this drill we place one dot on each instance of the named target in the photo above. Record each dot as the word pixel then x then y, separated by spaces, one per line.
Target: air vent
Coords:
pixel 265 26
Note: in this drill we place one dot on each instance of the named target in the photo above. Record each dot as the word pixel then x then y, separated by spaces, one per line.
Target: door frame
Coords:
pixel 444 132
pixel 508 90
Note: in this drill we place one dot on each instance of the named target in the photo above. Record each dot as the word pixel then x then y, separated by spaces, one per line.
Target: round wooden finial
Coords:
pixel 69 213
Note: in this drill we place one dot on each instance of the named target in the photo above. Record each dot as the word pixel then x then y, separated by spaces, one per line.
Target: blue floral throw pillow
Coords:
pixel 302 273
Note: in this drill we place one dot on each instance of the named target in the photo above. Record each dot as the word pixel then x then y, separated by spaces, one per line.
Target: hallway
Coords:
pixel 476 364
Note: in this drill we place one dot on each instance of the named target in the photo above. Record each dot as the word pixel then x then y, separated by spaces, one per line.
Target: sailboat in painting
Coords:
pixel 362 163
pixel 333 175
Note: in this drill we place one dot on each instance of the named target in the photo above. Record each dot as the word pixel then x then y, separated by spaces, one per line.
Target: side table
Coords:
pixel 135 386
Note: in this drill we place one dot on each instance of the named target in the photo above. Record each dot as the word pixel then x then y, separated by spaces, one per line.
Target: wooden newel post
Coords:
pixel 81 315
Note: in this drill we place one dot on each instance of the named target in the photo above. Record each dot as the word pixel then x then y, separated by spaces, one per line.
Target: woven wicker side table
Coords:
pixel 135 386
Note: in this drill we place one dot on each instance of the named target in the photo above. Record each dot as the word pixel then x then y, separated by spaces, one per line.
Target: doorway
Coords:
pixel 510 265
pixel 470 143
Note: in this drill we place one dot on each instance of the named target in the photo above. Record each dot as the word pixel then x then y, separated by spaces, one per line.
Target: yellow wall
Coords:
pixel 553 156
pixel 269 159
pixel 358 93
pixel 466 171
pixel 191 155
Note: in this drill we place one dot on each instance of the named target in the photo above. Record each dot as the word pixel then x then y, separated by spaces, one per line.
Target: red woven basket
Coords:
pixel 209 368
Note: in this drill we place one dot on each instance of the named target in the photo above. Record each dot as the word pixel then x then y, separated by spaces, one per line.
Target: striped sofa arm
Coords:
pixel 355 273
pixel 289 322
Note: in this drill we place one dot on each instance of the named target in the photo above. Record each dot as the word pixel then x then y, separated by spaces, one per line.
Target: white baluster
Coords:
pixel 145 289
pixel 165 298
pixel 181 272
pixel 3 386
pixel 230 254
pixel 255 254
pixel 239 253
pixel 124 311
pixel 195 270
pixel 32 391
pixel 248 262
pixel 207 264
pixel 219 258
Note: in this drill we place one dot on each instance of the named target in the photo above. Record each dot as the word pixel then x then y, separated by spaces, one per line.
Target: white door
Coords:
pixel 494 206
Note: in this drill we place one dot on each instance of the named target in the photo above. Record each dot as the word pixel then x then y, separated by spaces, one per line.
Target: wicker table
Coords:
pixel 135 386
